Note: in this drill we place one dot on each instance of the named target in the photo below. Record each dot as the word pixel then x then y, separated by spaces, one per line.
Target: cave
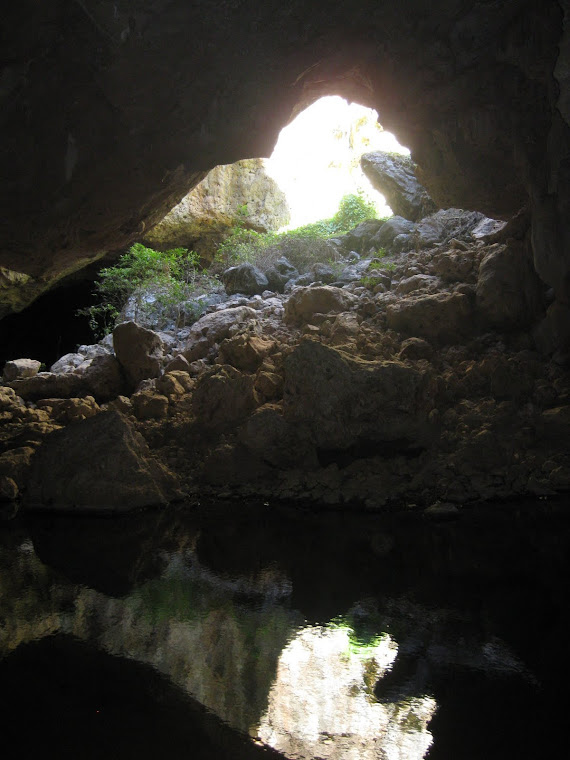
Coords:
pixel 368 460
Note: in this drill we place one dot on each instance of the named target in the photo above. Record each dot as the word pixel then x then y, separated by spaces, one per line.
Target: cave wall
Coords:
pixel 113 110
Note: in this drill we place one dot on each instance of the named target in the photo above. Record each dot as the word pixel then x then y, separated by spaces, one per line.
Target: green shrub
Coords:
pixel 172 277
pixel 353 209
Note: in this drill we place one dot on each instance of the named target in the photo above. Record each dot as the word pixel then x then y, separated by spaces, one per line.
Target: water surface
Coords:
pixel 256 631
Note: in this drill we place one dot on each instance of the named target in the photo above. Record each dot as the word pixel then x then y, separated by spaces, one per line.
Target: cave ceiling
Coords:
pixel 113 110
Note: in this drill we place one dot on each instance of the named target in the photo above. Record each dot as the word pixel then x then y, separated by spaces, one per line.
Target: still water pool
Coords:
pixel 253 631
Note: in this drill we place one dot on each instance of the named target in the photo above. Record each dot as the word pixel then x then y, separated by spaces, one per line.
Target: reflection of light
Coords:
pixel 321 702
pixel 317 158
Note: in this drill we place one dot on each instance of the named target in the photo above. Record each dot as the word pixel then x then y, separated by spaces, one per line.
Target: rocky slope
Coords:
pixel 113 111
pixel 421 378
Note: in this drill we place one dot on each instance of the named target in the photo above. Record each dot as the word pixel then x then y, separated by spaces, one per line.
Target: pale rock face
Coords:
pixel 20 368
pixel 304 303
pixel 241 192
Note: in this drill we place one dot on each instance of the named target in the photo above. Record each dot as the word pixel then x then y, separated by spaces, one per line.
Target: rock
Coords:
pixel 16 463
pixel 553 425
pixel 69 409
pixel 101 377
pixel 322 273
pixel 208 213
pixel 342 400
pixel 213 328
pixel 268 385
pixel 387 233
pixel 415 348
pixel 148 405
pixel 553 333
pixel 245 352
pixel 305 302
pixel 417 282
pixel 175 384
pixel 101 463
pixel 20 368
pixel 358 239
pixel 138 351
pixel 279 274
pixel 486 228
pixel 444 225
pixel 245 278
pixel 509 292
pixel 179 363
pixel 8 489
pixel 442 317
pixel 275 441
pixel 67 363
pixel 345 327
pixel 395 177
pixel 223 396
pixel 456 265
pixel 49 385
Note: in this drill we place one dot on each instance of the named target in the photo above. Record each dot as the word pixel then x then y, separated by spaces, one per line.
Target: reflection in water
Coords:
pixel 321 703
pixel 423 655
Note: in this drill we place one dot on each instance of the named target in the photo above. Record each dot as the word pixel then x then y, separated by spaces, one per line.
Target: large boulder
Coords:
pixel 100 377
pixel 213 328
pixel 304 303
pixel 445 225
pixel 342 400
pixel 20 368
pixel 509 292
pixel 223 396
pixel 102 464
pixel 395 177
pixel 441 317
pixel 138 350
pixel 244 278
pixel 205 216
pixel 392 229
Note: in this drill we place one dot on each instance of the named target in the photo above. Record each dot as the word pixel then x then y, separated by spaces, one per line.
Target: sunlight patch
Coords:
pixel 317 158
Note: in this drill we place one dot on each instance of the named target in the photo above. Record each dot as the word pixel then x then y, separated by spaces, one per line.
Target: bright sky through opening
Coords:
pixel 316 158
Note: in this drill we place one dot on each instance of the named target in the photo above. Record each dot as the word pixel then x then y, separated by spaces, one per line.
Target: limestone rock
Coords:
pixel 417 282
pixel 69 409
pixel 279 274
pixel 138 351
pixel 395 177
pixel 305 302
pixel 67 363
pixel 509 292
pixel 100 377
pixel 20 368
pixel 245 352
pixel 213 328
pixel 275 441
pixel 456 265
pixel 148 405
pixel 442 317
pixel 394 227
pixel 358 239
pixel 244 278
pixel 16 463
pixel 223 396
pixel 205 216
pixel 101 463
pixel 341 400
pixel 415 348
pixel 445 225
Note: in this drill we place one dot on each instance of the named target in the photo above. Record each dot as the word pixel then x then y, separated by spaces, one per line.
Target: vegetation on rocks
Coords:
pixel 167 284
